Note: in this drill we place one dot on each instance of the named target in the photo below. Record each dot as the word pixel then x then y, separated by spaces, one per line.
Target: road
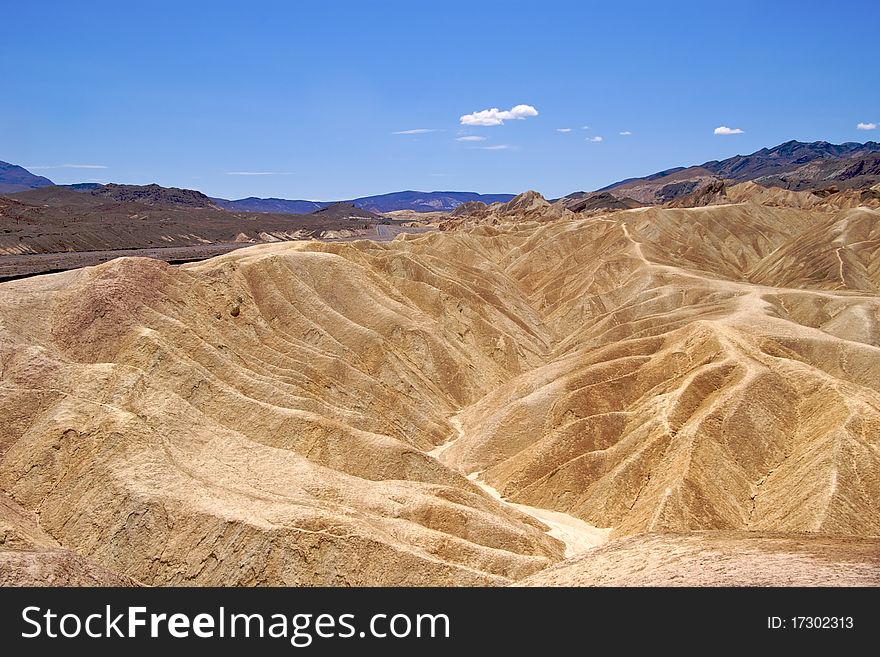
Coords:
pixel 22 266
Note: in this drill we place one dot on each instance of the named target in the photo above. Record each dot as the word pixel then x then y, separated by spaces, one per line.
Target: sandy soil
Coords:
pixel 578 536
pixel 721 558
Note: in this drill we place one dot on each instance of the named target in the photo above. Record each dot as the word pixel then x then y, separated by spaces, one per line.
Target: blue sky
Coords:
pixel 308 94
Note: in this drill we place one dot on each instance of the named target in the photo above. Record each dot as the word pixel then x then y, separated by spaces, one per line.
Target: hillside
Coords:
pixel 61 220
pixel 14 178
pixel 168 197
pixel 467 407
pixel 793 165
pixel 349 211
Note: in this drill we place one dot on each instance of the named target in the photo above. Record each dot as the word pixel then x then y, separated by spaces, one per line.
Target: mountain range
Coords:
pixel 14 179
pixel 406 200
pixel 793 165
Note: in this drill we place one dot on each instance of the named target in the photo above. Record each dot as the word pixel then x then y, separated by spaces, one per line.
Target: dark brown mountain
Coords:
pixel 349 211
pixel 155 195
pixel 60 220
pixel 785 157
pixel 793 165
pixel 590 201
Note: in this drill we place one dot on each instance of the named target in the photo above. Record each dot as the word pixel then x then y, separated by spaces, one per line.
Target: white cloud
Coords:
pixel 497 147
pixel 259 173
pixel 625 133
pixel 496 116
pixel 866 126
pixel 470 138
pixel 563 129
pixel 415 131
pixel 594 139
pixel 585 127
pixel 724 130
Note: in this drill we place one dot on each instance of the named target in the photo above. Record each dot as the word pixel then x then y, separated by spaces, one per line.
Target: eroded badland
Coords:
pixel 646 385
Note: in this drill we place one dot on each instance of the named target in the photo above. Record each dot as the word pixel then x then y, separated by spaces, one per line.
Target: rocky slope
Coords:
pixel 59 220
pixel 169 197
pixel 793 165
pixel 317 413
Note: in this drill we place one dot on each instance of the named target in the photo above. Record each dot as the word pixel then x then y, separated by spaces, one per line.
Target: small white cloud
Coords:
pixel 439 175
pixel 625 133
pixel 496 147
pixel 470 138
pixel 585 127
pixel 866 126
pixel 724 130
pixel 496 116
pixel 563 129
pixel 259 173
pixel 415 131
pixel 594 139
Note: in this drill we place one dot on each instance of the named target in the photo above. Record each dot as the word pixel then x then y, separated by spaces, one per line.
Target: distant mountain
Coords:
pixel 589 201
pixel 785 157
pixel 14 178
pixel 83 187
pixel 343 210
pixel 59 219
pixel 425 201
pixel 793 165
pixel 155 195
pixel 407 200
pixel 276 205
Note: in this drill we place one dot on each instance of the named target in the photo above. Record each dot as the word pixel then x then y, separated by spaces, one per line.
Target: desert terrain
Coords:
pixel 54 228
pixel 527 394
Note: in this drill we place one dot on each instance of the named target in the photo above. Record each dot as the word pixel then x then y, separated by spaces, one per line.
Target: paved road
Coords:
pixel 22 266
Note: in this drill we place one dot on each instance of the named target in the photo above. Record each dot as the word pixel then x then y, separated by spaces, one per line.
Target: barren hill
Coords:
pixel 343 413
pixel 792 165
pixel 155 195
pixel 59 219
